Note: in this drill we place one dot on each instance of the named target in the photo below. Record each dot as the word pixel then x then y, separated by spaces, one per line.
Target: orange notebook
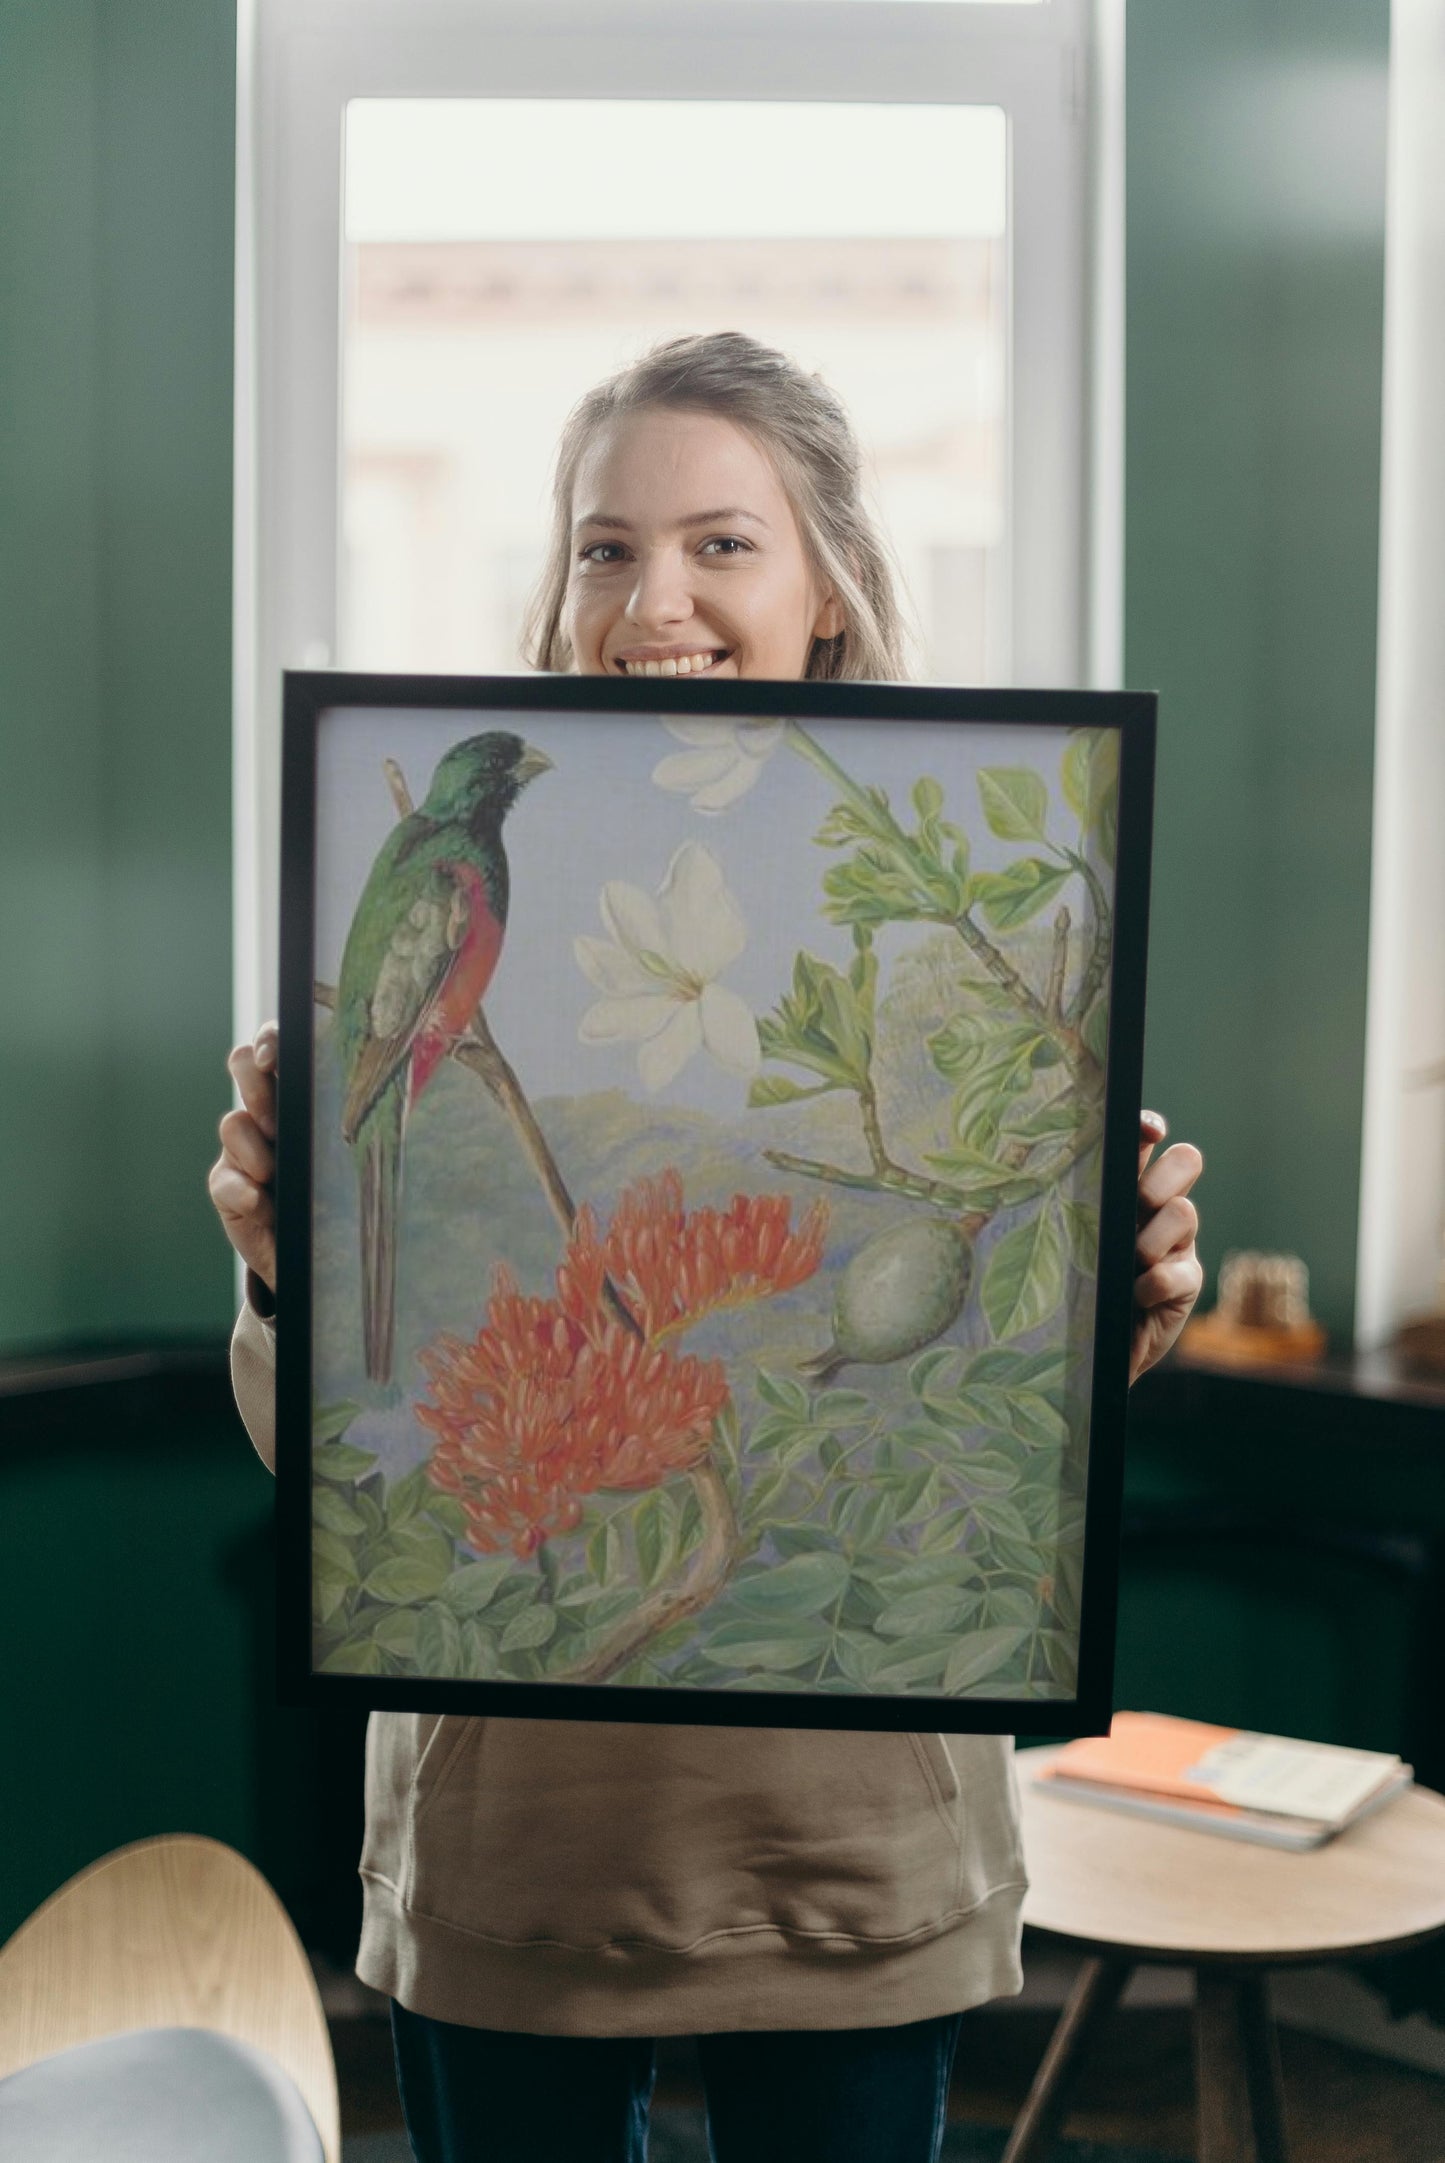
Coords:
pixel 1196 1763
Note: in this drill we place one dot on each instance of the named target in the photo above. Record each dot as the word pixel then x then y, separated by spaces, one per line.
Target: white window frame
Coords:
pixel 1402 1167
pixel 1050 67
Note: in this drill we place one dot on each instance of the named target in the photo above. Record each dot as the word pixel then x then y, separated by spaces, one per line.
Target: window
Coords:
pixel 468 297
pixel 448 211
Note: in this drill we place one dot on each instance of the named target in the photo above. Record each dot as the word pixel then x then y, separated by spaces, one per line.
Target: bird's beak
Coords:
pixel 530 764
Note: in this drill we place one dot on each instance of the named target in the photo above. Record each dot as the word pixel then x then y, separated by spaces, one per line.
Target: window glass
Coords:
pixel 504 255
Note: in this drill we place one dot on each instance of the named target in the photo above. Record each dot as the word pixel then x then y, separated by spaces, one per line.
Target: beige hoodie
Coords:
pixel 563 1877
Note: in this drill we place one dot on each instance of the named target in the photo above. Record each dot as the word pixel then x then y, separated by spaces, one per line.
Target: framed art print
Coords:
pixel 708 1141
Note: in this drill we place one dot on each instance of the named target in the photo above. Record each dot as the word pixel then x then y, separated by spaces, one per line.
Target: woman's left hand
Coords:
pixel 1167 1272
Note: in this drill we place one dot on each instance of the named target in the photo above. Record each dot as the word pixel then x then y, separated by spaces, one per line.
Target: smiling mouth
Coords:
pixel 682 664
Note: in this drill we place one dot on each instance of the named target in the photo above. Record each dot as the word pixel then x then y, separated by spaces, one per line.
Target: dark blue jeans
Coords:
pixel 845 2095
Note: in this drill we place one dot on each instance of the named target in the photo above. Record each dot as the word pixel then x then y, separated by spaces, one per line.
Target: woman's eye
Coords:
pixel 602 552
pixel 726 544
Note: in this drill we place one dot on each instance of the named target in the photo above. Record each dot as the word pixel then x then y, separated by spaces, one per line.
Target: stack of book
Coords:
pixel 1228 1780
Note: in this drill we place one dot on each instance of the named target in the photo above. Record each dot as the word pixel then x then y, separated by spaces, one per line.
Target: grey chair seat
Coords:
pixel 156 2095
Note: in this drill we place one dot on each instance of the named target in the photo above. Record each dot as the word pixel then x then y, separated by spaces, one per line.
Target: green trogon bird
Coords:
pixel 419 955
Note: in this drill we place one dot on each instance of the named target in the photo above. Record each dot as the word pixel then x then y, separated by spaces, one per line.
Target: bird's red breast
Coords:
pixel 465 982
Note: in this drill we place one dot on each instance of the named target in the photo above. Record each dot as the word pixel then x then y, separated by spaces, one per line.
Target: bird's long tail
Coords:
pixel 379 1171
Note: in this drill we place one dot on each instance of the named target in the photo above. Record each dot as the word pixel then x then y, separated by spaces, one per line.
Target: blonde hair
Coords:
pixel 806 431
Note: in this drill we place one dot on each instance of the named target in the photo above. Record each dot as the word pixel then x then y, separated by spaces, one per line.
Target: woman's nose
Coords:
pixel 661 595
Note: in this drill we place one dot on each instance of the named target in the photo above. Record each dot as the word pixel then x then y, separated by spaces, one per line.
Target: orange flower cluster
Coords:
pixel 672 1267
pixel 556 1398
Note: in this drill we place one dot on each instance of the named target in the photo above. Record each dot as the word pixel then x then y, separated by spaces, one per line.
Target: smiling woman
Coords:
pixel 644 577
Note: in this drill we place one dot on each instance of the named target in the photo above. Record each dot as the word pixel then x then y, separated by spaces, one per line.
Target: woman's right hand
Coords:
pixel 241 1179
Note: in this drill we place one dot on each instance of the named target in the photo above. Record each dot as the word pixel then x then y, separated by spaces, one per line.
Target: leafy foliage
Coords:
pixel 894 876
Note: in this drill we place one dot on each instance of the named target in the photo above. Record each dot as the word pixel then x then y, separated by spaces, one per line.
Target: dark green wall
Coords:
pixel 137 1598
pixel 117 129
pixel 1255 266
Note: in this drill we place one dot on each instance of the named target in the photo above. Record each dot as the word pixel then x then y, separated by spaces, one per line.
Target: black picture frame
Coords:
pixel 1129 718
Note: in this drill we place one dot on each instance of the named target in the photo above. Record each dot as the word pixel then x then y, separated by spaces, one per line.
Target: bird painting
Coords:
pixel 422 948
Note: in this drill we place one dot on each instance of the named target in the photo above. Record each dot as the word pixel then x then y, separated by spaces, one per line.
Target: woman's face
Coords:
pixel 686 557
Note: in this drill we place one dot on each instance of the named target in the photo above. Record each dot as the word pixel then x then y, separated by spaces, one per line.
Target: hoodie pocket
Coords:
pixel 592 1834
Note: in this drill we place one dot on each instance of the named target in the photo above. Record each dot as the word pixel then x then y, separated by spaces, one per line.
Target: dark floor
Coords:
pixel 1342 2105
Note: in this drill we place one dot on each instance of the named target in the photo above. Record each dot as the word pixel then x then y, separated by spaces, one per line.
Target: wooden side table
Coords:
pixel 1125 1890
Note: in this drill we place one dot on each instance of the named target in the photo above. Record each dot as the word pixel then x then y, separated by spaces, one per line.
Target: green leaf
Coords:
pixel 859 1656
pixel 439 1642
pixel 1024 1280
pixel 896 1575
pixel 988 1473
pixel 408 1495
pixel 980 1655
pixel 920 1662
pixel 655 1530
pixel 982 1183
pixel 424 1541
pixel 1060 1115
pixel 917 1496
pixel 330 1420
pixel 475 1585
pixel 804 1586
pixel 1095 1031
pixel 976 1046
pixel 480 1658
pixel 774 1648
pixel 944 1534
pixel 328 1597
pixel 1005 1364
pixel 1011 1603
pixel 331 1555
pixel 1082 1225
pixel 354 1656
pixel 446 1511
pixel 762 1494
pixel 773 1433
pixel 1016 894
pixel 408 1578
pixel 341 1461
pixel 824 1023
pixel 1090 774
pixel 364 1500
pixel 782 1392
pixel 1061 1653
pixel 1015 802
pixel 397 1631
pixel 605 1558
pixel 334 1513
pixel 1034 1420
pixel 997 1514
pixel 865 1515
pixel 842 1407
pixel 930 1365
pixel 929 1612
pixel 927 797
pixel 578 1591
pixel 1091 777
pixel 777 1089
pixel 531 1628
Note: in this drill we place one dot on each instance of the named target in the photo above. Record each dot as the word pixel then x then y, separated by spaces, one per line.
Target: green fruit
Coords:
pixel 900 1291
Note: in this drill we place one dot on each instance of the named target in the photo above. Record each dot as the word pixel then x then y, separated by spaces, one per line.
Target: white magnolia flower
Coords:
pixel 723 762
pixel 658 971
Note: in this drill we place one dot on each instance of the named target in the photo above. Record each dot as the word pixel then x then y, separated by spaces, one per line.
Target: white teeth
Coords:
pixel 686 664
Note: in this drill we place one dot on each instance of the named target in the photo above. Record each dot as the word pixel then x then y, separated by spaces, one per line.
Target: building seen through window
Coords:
pixel 463 350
